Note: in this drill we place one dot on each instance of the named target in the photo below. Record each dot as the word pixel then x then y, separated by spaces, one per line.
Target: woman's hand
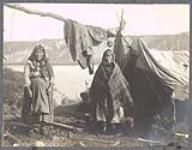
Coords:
pixel 29 91
pixel 49 89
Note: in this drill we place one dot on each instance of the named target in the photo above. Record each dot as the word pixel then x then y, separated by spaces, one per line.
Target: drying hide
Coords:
pixel 81 39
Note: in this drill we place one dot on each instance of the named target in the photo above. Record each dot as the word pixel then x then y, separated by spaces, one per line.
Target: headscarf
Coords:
pixel 37 47
pixel 108 69
pixel 105 53
pixel 43 65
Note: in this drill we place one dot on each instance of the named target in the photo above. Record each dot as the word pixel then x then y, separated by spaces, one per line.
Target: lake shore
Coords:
pixel 69 80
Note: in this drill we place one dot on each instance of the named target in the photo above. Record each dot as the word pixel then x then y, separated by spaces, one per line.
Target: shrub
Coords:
pixel 12 91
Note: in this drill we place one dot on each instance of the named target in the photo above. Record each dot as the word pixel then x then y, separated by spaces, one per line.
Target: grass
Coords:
pixel 12 91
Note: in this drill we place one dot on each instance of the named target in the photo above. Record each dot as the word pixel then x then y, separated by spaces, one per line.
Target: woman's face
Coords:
pixel 39 54
pixel 110 44
pixel 108 58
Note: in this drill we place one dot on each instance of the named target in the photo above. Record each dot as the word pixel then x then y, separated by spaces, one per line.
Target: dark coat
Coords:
pixel 115 89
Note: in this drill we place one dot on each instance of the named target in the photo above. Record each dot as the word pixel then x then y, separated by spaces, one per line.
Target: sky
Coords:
pixel 140 19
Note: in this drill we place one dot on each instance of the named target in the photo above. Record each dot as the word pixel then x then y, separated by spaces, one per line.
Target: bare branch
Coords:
pixel 42 14
pixel 65 126
pixel 35 12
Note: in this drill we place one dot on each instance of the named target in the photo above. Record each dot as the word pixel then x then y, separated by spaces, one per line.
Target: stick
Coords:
pixel 11 137
pixel 44 14
pixel 68 127
pixel 150 141
pixel 99 141
pixel 36 12
pixel 112 144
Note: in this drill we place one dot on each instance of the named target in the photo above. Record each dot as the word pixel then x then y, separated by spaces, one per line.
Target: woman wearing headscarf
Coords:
pixel 111 99
pixel 39 80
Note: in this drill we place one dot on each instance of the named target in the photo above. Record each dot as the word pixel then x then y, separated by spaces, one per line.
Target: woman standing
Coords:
pixel 39 79
pixel 110 94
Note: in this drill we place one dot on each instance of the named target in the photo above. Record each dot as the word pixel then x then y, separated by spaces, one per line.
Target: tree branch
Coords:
pixel 35 12
pixel 44 14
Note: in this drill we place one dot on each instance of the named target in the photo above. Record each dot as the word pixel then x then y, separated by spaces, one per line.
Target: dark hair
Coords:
pixel 37 47
pixel 108 42
pixel 108 50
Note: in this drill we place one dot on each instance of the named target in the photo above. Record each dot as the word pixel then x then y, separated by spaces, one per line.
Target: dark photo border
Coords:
pixel 93 1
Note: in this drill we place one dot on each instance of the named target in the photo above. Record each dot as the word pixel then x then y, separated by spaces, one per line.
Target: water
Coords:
pixel 69 80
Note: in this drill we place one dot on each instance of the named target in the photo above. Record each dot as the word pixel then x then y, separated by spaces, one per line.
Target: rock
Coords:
pixel 56 138
pixel 39 144
pixel 15 144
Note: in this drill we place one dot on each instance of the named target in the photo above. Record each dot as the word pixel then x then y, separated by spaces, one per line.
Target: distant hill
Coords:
pixel 168 42
pixel 18 52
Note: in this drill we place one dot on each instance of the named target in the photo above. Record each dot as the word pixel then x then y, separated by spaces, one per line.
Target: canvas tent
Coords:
pixel 151 83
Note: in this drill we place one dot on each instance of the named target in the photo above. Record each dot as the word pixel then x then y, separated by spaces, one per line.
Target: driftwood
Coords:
pixel 55 124
pixel 151 141
pixel 11 138
pixel 35 12
pixel 81 143
pixel 114 143
pixel 64 126
pixel 44 14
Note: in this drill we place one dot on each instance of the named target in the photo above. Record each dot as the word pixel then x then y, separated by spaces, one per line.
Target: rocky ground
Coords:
pixel 57 136
pixel 75 114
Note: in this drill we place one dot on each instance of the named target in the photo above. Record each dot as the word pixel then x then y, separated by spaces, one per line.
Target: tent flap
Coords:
pixel 151 84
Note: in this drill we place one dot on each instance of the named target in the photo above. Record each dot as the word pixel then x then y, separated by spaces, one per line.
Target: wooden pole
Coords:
pixel 36 12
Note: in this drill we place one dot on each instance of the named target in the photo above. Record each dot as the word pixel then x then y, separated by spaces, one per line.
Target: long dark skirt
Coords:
pixel 40 103
pixel 106 112
pixel 40 106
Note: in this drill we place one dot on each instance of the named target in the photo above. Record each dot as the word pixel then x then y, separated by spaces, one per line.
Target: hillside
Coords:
pixel 18 52
pixel 168 42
